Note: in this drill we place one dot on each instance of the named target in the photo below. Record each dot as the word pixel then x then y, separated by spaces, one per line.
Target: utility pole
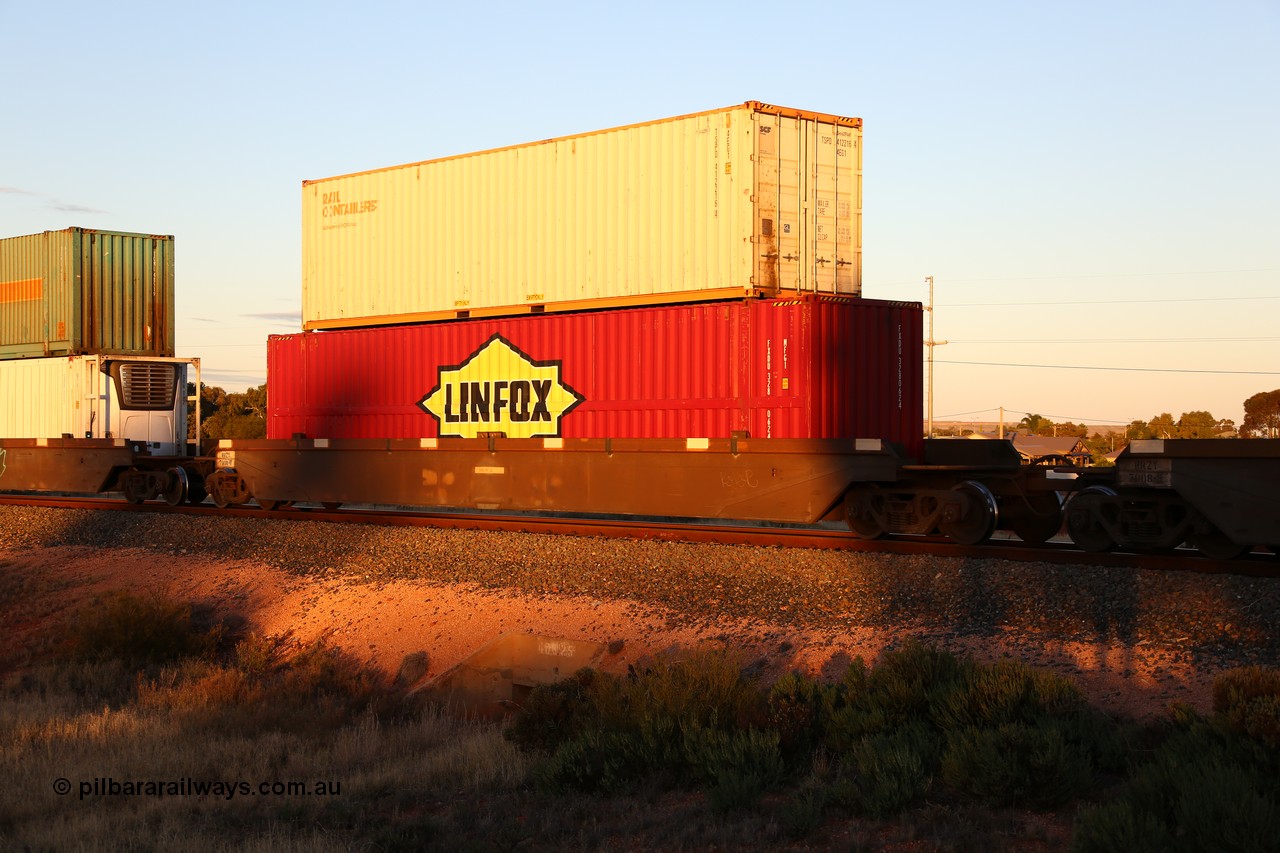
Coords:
pixel 931 343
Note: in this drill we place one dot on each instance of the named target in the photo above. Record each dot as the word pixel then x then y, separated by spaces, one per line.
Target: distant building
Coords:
pixel 1044 449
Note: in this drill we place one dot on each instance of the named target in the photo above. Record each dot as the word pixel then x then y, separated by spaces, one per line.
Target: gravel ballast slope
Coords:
pixel 1135 639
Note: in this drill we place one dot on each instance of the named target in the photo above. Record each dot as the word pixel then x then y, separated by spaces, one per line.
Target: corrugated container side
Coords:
pixel 86 292
pixel 748 200
pixel 803 368
pixel 89 396
pixel 45 397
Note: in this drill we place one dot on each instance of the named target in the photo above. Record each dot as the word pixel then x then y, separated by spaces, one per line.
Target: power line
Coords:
pixel 964 415
pixel 1122 369
pixel 1113 340
pixel 1097 275
pixel 1104 302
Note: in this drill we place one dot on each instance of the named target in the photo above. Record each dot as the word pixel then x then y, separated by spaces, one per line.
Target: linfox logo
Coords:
pixel 500 389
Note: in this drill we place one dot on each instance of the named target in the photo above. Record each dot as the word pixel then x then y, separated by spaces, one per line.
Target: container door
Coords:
pixel 778 219
pixel 809 205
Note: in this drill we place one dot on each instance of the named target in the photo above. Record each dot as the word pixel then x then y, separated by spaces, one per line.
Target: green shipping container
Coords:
pixel 86 292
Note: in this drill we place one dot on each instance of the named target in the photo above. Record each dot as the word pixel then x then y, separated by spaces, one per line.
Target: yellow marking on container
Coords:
pixel 553 444
pixel 490 469
pixel 224 442
pixel 42 442
pixel 429 443
pixel 697 444
pixel 322 442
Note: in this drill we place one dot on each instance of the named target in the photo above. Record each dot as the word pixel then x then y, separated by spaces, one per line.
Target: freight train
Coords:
pixel 660 320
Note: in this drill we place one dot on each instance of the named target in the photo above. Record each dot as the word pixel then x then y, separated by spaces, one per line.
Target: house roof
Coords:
pixel 1040 445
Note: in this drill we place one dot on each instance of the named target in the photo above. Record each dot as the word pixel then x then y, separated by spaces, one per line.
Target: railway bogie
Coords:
pixel 964 490
pixel 1216 496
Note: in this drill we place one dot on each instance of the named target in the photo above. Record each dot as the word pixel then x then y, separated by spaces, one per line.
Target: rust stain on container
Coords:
pixel 86 292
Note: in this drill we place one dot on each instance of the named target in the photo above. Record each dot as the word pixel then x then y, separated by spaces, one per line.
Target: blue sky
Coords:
pixel 1095 186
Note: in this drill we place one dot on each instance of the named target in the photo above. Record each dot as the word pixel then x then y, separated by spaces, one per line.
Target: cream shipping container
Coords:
pixel 84 292
pixel 140 400
pixel 751 200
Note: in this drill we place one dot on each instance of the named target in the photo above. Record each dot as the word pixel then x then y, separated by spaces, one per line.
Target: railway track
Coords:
pixel 1256 564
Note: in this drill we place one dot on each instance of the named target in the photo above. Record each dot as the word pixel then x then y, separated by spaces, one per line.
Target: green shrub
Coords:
pixel 1006 691
pixel 901 688
pixel 595 761
pixel 886 773
pixel 803 813
pixel 1247 700
pixel 1119 827
pixel 704 690
pixel 1017 764
pixel 796 706
pixel 712 754
pixel 555 713
pixel 1206 789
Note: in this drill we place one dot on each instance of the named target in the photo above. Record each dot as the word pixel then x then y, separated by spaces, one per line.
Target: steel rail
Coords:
pixel 1063 553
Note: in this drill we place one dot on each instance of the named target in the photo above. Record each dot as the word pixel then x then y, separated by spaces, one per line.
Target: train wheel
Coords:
pixel 1084 520
pixel 858 514
pixel 978 522
pixel 177 487
pixel 134 486
pixel 272 505
pixel 1042 518
pixel 331 505
pixel 1215 545
pixel 196 492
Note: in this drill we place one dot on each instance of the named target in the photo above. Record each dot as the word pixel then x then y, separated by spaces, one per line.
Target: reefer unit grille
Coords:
pixel 146 385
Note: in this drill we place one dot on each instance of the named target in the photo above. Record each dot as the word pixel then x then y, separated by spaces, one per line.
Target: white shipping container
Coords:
pixel 138 399
pixel 748 200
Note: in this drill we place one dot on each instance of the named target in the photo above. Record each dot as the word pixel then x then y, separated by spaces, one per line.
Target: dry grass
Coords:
pixel 137 704
pixel 162 724
pixel 139 700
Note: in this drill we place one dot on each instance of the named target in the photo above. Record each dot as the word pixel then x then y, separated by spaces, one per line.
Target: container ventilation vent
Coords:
pixel 147 385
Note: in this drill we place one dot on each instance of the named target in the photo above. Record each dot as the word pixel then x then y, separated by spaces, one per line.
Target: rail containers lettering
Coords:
pixel 818 367
pixel 749 200
pixel 86 292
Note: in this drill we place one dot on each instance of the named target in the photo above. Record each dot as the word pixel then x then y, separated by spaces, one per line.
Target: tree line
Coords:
pixel 1261 420
pixel 227 414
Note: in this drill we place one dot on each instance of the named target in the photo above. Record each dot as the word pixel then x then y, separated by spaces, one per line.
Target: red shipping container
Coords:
pixel 817 367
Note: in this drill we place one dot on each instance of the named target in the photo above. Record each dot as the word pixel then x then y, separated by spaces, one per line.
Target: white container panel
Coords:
pixel 138 399
pixel 747 200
